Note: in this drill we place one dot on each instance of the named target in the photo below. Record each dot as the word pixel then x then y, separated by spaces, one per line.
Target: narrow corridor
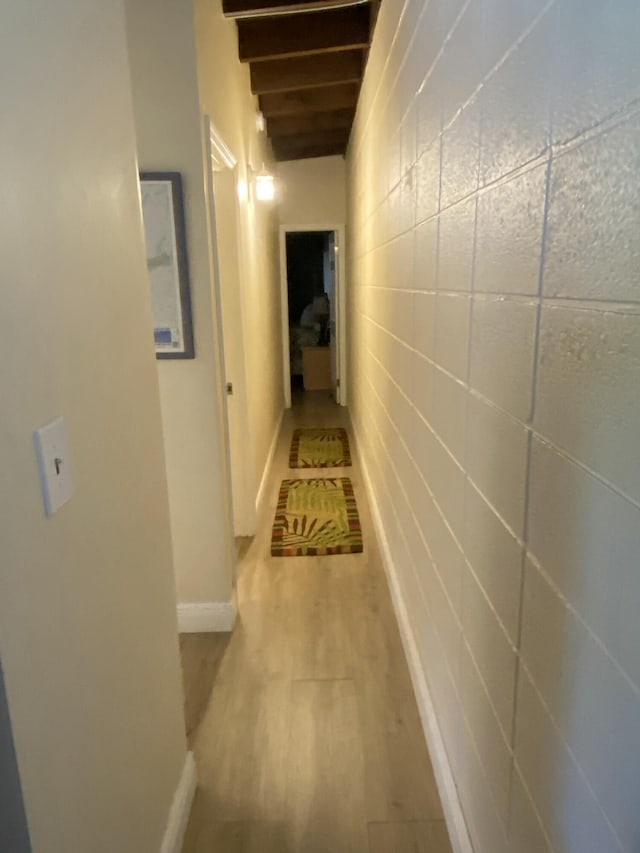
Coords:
pixel 310 739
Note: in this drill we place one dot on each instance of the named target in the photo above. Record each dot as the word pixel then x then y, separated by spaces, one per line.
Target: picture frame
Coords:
pixel 166 250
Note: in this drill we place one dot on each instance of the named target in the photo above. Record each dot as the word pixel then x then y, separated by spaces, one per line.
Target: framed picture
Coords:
pixel 164 231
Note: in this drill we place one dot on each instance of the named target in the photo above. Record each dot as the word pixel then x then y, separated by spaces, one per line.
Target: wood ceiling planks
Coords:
pixel 255 8
pixel 299 35
pixel 305 145
pixel 310 123
pixel 310 100
pixel 306 65
pixel 284 75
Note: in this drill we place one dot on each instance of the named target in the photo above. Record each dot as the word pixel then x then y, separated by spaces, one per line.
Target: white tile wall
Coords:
pixel 515 106
pixel 493 652
pixel 525 830
pixel 485 729
pixel 591 217
pixel 494 292
pixel 566 661
pixel 425 255
pixel 449 417
pixel 596 68
pixel 585 400
pixel 496 460
pixel 496 557
pixel 462 63
pixel 456 229
pixel 460 154
pixel 452 333
pixel 502 352
pixel 509 235
pixel 427 182
pixel 482 815
pixel 569 809
pixel 587 537
pixel 429 117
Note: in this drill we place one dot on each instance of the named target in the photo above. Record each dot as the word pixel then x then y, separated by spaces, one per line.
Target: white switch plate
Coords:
pixel 53 462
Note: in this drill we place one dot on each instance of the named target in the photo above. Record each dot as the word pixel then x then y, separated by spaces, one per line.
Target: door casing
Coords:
pixel 222 163
pixel 340 278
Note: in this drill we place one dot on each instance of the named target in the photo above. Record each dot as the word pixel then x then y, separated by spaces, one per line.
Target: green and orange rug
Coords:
pixel 316 517
pixel 320 448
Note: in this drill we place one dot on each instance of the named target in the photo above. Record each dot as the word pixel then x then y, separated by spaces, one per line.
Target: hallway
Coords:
pixel 311 739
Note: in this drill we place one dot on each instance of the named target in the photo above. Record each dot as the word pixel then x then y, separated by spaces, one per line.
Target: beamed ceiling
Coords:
pixel 306 60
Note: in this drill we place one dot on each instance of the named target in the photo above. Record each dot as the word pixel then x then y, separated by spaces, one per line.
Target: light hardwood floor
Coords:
pixel 311 740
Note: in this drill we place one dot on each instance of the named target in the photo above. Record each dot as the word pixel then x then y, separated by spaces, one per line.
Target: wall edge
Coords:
pixel 445 780
pixel 180 807
pixel 267 466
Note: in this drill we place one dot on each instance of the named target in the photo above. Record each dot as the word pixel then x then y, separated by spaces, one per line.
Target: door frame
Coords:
pixel 220 159
pixel 340 279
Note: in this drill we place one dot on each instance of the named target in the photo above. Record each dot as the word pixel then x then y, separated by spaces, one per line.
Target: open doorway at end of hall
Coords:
pixel 312 328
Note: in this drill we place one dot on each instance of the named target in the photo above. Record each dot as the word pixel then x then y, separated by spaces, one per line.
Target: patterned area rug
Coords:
pixel 320 448
pixel 316 517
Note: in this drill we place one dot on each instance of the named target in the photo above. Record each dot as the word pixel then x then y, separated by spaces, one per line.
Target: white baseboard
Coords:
pixel 267 467
pixel 206 616
pixel 454 816
pixel 180 807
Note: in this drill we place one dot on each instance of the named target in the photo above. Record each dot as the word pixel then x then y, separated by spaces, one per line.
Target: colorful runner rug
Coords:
pixel 316 517
pixel 320 448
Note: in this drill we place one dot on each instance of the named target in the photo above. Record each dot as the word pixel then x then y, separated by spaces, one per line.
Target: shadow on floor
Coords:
pixel 201 656
pixel 243 543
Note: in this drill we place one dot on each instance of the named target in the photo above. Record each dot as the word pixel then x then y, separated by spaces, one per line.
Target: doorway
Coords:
pixel 311 263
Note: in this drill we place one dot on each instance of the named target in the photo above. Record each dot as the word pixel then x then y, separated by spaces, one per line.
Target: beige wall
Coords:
pixel 248 242
pixel 495 348
pixel 312 192
pixel 88 633
pixel 169 133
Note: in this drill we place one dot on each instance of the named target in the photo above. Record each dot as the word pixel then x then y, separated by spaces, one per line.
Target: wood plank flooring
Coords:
pixel 303 722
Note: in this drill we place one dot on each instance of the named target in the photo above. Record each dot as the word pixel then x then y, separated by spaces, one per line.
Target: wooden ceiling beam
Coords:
pixel 309 123
pixel 310 100
pixel 322 144
pixel 260 8
pixel 373 18
pixel 306 72
pixel 311 150
pixel 260 39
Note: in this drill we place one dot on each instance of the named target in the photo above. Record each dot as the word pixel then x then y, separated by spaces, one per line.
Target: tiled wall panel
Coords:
pixel 494 311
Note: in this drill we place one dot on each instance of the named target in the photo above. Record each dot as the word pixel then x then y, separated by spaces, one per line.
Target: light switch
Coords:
pixel 53 462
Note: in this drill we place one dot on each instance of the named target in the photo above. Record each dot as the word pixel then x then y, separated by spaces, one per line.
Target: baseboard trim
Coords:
pixel 267 467
pixel 206 616
pixel 454 815
pixel 180 807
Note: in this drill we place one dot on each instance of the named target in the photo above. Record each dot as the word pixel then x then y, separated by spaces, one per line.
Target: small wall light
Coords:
pixel 265 186
pixel 260 124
